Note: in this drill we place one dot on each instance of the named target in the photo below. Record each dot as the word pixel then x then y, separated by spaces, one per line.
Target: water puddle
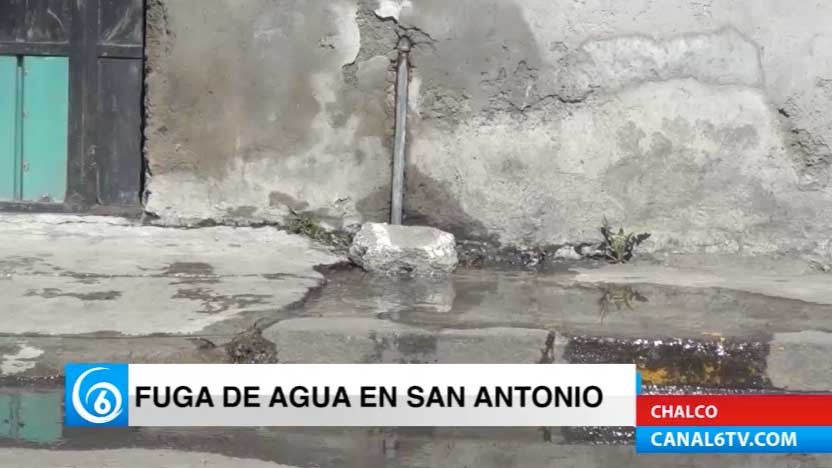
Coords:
pixel 474 299
pixel 697 336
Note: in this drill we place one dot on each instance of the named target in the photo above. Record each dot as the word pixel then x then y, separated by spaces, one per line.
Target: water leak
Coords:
pixel 556 301
pixel 692 336
pixel 715 337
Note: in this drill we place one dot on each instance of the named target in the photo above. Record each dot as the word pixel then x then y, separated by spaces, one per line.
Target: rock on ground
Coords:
pixel 567 253
pixel 391 249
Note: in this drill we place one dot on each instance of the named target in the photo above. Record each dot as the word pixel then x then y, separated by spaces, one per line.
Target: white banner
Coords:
pixel 366 395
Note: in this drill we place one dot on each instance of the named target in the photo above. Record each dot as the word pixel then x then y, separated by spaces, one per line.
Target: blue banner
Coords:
pixel 96 395
pixel 735 439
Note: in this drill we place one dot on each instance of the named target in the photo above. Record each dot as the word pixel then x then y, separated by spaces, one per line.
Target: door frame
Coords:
pixel 84 51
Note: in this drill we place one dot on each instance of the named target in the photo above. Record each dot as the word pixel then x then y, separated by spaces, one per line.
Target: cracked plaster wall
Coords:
pixel 706 123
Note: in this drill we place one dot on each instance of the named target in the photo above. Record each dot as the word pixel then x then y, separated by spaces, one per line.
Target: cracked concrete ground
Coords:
pixel 141 292
pixel 80 289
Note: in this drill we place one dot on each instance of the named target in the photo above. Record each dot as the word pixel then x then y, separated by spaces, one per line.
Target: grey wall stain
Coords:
pixel 484 55
pixel 87 280
pixel 188 268
pixel 28 264
pixel 191 280
pixel 282 199
pixel 242 211
pixel 432 202
pixel 376 205
pixel 809 134
pixel 231 94
pixel 51 293
pixel 648 181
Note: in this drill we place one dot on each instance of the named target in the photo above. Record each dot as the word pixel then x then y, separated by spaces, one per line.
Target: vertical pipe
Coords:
pixel 399 143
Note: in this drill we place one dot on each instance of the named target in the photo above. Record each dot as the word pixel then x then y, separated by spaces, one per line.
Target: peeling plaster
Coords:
pixel 21 361
pixel 348 34
pixel 392 8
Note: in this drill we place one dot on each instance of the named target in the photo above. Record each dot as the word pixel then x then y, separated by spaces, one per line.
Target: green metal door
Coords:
pixel 8 127
pixel 34 106
pixel 45 113
pixel 31 416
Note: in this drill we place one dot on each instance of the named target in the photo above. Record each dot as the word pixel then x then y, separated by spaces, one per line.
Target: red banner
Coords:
pixel 734 410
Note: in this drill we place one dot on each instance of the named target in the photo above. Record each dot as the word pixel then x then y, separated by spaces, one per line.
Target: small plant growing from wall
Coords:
pixel 307 224
pixel 304 224
pixel 618 247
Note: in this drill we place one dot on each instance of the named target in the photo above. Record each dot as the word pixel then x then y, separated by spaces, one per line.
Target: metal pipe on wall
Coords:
pixel 399 143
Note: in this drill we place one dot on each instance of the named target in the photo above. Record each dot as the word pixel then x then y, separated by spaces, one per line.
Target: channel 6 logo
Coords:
pixel 95 395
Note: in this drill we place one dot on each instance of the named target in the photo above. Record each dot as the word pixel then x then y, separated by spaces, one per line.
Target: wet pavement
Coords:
pixel 677 335
pixel 684 339
pixel 519 299
pixel 32 420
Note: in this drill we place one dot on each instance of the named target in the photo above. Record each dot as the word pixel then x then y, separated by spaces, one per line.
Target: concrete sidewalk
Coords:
pixel 87 289
pixel 100 288
pixel 79 289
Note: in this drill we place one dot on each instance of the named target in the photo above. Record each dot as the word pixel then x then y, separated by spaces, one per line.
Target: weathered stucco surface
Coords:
pixel 706 123
pixel 250 113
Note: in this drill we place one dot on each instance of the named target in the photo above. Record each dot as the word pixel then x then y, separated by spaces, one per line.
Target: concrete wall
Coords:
pixel 258 107
pixel 706 123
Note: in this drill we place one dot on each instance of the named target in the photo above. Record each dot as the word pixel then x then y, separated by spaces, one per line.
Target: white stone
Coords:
pixel 419 250
pixel 391 8
pixel 567 253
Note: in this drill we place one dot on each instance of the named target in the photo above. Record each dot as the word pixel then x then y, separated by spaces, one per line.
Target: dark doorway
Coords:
pixel 71 80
